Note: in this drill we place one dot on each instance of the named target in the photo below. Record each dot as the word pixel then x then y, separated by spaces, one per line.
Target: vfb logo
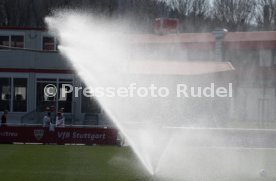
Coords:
pixel 38 133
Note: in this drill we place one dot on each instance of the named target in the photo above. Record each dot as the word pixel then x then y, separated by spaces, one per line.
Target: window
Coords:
pixel 17 41
pixel 20 95
pixel 42 100
pixel 65 99
pixel 13 94
pixel 60 100
pixel 89 104
pixel 49 44
pixel 5 93
pixel 4 41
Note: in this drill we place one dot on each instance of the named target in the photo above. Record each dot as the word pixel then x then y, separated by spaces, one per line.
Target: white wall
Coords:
pixel 254 104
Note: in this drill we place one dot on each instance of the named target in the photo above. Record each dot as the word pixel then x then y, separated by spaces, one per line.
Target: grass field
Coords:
pixel 56 162
pixel 113 163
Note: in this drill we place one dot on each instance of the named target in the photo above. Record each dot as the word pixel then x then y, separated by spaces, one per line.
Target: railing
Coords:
pixel 91 119
pixel 32 117
pixel 36 116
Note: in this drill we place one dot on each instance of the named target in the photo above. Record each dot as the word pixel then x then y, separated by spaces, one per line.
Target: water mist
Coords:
pixel 164 132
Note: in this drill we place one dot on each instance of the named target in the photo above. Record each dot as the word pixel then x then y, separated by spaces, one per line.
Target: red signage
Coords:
pixel 68 135
pixel 166 25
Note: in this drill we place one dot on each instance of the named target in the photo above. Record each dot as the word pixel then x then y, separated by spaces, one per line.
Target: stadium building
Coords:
pixel 29 60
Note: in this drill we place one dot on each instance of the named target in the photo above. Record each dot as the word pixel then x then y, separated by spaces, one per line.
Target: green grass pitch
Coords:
pixel 67 163
pixel 113 163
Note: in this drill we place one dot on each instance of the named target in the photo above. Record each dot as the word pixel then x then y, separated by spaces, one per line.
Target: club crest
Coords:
pixel 38 133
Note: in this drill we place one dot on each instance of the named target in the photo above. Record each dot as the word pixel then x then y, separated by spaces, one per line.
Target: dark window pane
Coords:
pixel 17 41
pixel 65 99
pixel 5 93
pixel 48 43
pixel 4 41
pixel 89 105
pixel 57 45
pixel 20 95
pixel 43 100
pixel 62 99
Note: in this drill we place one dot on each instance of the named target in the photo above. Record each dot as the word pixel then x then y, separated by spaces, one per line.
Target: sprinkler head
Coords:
pixel 263 173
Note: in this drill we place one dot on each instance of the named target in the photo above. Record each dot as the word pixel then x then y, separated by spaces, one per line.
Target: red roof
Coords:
pixel 177 68
pixel 174 38
pixel 238 40
pixel 250 40
pixel 49 71
pixel 21 28
pixel 250 36
pixel 263 39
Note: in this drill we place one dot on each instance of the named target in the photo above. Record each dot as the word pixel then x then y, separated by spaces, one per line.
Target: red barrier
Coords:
pixel 68 135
